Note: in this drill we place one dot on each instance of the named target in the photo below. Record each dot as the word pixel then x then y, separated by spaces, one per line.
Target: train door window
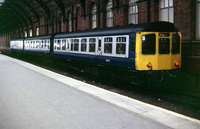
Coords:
pixel 121 45
pixel 83 45
pixel 92 44
pixel 55 44
pixel 64 44
pixel 72 45
pixel 149 44
pixel 45 44
pixel 68 44
pixel 76 44
pixel 26 44
pixel 33 44
pixel 29 44
pixel 164 46
pixel 99 51
pixel 42 43
pixel 37 44
pixel 108 45
pixel 132 45
pixel 58 44
pixel 175 43
pixel 48 44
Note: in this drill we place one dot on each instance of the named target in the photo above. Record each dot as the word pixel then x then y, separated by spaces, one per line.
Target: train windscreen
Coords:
pixel 149 44
pixel 164 45
pixel 175 44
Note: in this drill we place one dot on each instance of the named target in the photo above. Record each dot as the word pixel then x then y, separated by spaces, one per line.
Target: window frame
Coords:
pixel 37 31
pixel 93 43
pixel 163 6
pixel 114 46
pixel 109 14
pixel 94 16
pixel 132 3
pixel 86 45
pixel 198 20
pixel 142 48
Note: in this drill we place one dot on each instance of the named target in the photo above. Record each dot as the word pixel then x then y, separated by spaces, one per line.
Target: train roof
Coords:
pixel 17 39
pixel 149 27
pixel 39 37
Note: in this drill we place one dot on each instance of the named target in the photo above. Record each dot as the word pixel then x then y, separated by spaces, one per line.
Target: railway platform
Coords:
pixel 35 98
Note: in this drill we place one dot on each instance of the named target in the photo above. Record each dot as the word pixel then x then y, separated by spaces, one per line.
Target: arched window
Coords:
pixel 31 32
pixel 166 11
pixel 54 23
pixel 22 34
pixel 46 25
pixel 78 19
pixel 94 16
pixel 133 12
pixel 25 33
pixel 109 14
pixel 198 19
pixel 61 23
pixel 37 31
pixel 69 22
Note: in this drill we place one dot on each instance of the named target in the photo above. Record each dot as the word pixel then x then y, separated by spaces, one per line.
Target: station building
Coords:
pixel 78 15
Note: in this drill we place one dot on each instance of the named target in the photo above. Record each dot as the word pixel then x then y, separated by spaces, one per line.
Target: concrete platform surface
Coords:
pixel 34 98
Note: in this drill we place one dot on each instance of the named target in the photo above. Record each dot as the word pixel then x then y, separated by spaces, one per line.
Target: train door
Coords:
pixel 146 58
pixel 99 49
pixel 67 45
pixel 132 50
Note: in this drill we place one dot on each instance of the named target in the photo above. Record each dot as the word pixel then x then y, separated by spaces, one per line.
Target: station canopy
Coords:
pixel 21 13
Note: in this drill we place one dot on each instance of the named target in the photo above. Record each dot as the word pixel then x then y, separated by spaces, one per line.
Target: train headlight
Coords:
pixel 177 64
pixel 149 65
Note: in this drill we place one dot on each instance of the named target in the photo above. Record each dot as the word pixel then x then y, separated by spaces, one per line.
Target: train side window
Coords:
pixel 76 44
pixel 92 44
pixel 132 45
pixel 175 44
pixel 83 45
pixel 63 44
pixel 149 44
pixel 121 45
pixel 108 45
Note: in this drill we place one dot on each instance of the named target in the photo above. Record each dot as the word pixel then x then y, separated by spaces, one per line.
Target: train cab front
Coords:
pixel 158 52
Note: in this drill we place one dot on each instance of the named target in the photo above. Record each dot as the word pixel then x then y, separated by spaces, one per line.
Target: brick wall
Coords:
pixel 183 18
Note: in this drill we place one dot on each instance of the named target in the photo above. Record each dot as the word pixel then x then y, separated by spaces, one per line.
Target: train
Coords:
pixel 148 48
